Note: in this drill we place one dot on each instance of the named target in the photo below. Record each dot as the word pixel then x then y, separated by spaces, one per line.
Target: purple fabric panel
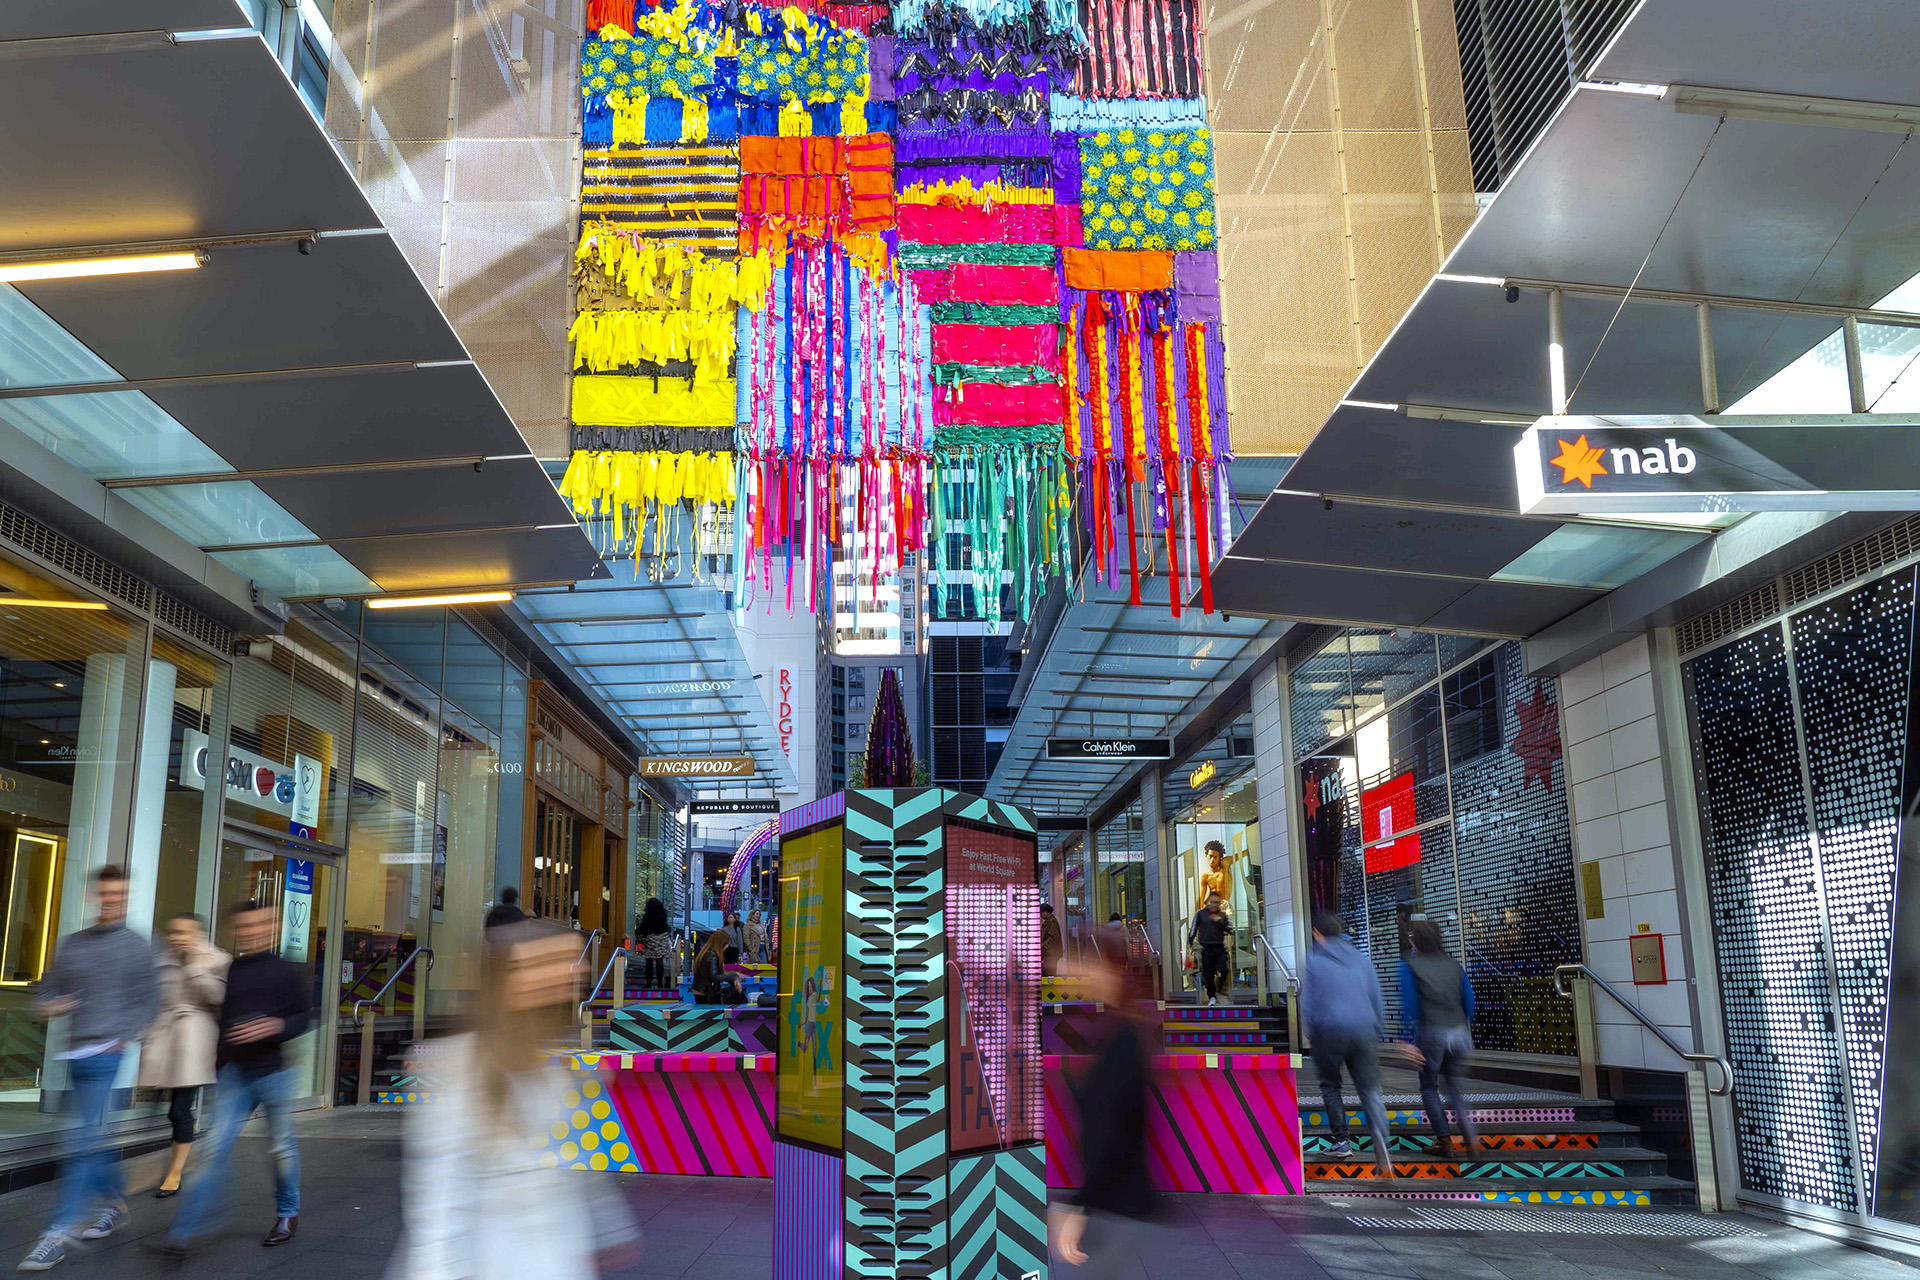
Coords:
pixel 1066 168
pixel 1196 282
pixel 880 68
pixel 947 144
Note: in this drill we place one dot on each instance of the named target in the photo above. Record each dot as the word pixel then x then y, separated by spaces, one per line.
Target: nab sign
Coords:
pixel 1625 465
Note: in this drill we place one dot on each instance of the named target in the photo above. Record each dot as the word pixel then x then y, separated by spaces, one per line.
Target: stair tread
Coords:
pixel 1642 1182
pixel 1545 1155
pixel 1506 1126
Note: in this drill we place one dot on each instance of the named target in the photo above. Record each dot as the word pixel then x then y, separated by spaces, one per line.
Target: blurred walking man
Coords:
pixel 104 979
pixel 1345 1018
pixel 266 1006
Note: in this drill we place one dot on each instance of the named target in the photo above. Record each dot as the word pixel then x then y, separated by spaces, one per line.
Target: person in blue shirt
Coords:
pixel 1438 1000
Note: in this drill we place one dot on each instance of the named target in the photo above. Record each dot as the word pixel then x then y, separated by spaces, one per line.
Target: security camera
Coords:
pixel 1513 293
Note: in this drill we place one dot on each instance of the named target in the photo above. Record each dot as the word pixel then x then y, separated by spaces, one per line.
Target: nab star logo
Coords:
pixel 1577 461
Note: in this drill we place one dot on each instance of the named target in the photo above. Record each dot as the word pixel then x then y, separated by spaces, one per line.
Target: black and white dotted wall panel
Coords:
pixel 1853 663
pixel 1778 1003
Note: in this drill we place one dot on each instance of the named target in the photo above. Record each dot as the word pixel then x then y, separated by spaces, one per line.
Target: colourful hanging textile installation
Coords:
pixel 852 278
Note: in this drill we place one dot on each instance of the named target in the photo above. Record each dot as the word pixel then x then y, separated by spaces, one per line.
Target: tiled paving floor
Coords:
pixel 719 1229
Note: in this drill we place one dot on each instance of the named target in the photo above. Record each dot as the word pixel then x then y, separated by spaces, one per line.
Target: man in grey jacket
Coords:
pixel 1345 1018
pixel 104 980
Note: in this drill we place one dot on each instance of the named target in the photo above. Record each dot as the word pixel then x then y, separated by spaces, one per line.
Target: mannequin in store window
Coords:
pixel 1218 877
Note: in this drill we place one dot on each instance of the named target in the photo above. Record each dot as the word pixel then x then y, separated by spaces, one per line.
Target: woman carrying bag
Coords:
pixel 178 1052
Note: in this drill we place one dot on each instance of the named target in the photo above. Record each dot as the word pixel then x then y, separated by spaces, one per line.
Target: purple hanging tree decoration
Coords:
pixel 889 743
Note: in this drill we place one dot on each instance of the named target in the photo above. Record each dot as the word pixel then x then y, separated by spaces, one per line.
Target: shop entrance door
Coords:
pixel 298 884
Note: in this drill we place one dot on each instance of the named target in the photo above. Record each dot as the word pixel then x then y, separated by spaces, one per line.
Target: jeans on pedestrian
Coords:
pixel 1216 973
pixel 235 1096
pixel 1361 1060
pixel 92 1169
pixel 1447 1054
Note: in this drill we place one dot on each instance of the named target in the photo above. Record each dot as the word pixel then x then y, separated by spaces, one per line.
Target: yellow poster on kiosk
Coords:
pixel 812 1068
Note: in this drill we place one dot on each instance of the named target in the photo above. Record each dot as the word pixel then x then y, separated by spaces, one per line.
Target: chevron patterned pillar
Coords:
pixel 933 1039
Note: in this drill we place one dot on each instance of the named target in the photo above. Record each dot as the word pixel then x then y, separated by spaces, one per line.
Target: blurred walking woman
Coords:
pixel 479 1202
pixel 1099 1228
pixel 179 1049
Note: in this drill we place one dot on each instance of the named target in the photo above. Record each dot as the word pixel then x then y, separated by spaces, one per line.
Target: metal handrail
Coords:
pixel 376 996
pixel 1146 938
pixel 366 1026
pixel 592 938
pixel 1293 983
pixel 1718 1060
pixel 601 980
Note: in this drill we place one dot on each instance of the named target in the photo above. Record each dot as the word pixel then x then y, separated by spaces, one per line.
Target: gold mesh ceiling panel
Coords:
pixel 1341 149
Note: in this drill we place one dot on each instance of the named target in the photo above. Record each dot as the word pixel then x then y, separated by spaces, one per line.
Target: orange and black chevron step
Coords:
pixel 1327 1170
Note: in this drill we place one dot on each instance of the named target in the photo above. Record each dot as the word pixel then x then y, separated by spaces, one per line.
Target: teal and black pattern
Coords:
pixel 1540 1169
pixel 895 1177
pixel 672 1029
pixel 997 1214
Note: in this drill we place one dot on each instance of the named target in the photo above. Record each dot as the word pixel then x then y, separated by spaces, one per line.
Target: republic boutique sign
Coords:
pixel 1599 466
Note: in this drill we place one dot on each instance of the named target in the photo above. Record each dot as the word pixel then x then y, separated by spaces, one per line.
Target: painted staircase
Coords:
pixel 1223 1029
pixel 1536 1148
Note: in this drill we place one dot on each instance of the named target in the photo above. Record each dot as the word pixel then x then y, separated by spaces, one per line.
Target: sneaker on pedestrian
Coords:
pixel 111 1219
pixel 49 1253
pixel 1343 1148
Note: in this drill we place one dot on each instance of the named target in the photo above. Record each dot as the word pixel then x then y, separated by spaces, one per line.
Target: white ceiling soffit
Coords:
pixel 1622 191
pixel 169 123
pixel 665 658
pixel 1862 49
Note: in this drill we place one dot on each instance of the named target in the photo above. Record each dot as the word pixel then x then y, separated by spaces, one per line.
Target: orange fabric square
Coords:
pixel 1119 270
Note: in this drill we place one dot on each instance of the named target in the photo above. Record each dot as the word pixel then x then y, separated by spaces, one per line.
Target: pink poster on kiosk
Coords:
pixel 996 1096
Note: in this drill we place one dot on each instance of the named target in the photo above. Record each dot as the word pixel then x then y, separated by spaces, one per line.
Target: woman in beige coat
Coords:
pixel 178 1051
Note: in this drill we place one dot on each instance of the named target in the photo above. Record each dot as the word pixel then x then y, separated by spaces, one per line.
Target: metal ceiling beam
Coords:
pixel 217 379
pixel 475 460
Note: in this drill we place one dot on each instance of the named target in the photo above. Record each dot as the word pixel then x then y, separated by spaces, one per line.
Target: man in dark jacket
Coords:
pixel 1439 1001
pixel 1345 1018
pixel 1212 929
pixel 266 1006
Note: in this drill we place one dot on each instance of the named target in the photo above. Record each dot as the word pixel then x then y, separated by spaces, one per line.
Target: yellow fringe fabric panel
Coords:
pixel 642 267
pixel 607 340
pixel 600 400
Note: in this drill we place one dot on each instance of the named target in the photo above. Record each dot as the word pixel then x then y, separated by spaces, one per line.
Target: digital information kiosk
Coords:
pixel 909 1136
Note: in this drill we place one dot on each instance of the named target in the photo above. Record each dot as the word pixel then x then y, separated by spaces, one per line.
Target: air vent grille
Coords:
pixel 63 553
pixel 55 549
pixel 1738 614
pixel 1859 559
pixel 1852 562
pixel 191 623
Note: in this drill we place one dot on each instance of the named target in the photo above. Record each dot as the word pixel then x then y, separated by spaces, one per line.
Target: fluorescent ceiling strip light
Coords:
pixel 416 602
pixel 76 268
pixel 24 602
pixel 1637 87
pixel 1455 278
pixel 1370 404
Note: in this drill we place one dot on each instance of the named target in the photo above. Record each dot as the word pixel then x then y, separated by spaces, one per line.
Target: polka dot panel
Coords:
pixel 1762 886
pixel 1853 662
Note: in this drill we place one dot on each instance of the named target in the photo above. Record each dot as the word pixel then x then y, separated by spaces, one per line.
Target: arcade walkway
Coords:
pixel 719 1229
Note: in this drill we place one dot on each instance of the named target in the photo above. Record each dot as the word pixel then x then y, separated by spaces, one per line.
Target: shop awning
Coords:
pixel 1688 190
pixel 1108 669
pixel 299 407
pixel 665 658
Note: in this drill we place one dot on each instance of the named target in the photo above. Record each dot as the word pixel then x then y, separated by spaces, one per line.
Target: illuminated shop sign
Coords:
pixel 1109 748
pixel 292 791
pixel 1624 465
pixel 697 767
